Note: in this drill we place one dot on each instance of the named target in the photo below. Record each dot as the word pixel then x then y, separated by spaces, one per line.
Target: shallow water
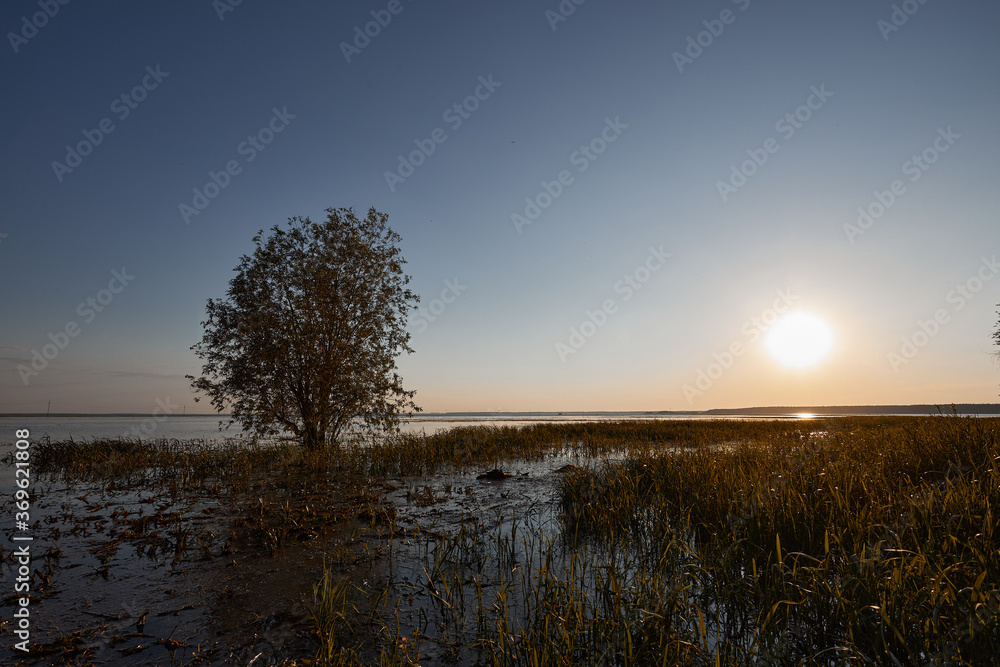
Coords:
pixel 140 577
pixel 102 600
pixel 192 427
pixel 504 525
pixel 105 575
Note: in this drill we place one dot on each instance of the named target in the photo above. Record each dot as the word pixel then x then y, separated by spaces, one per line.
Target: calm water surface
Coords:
pixel 86 427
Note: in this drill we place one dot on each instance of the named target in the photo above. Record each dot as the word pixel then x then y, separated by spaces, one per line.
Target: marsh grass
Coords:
pixel 829 541
pixel 332 615
pixel 869 541
pixel 132 461
pixel 837 541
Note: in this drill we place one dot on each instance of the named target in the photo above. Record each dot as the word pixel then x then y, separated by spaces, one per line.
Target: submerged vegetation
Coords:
pixel 868 540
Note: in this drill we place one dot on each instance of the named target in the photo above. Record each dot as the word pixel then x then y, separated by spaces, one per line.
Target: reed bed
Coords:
pixel 839 541
pixel 136 461
pixel 786 542
pixel 867 541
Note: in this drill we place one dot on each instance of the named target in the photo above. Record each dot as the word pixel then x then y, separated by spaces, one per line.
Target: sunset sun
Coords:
pixel 799 340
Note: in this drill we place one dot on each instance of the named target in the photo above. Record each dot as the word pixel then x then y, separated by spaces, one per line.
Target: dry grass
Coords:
pixel 832 541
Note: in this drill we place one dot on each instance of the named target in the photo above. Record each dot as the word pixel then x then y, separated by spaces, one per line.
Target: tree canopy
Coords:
pixel 307 337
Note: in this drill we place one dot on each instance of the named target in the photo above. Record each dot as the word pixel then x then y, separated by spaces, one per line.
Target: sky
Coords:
pixel 603 206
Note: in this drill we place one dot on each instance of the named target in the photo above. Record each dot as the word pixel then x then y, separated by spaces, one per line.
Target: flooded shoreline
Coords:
pixel 82 427
pixel 466 546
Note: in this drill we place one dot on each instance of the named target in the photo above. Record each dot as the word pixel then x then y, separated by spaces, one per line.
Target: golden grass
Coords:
pixel 830 541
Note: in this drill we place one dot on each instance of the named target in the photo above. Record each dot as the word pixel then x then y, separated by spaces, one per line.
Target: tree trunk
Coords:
pixel 312 438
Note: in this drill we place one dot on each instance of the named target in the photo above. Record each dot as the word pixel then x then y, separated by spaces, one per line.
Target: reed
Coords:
pixel 828 541
pixel 847 541
pixel 868 541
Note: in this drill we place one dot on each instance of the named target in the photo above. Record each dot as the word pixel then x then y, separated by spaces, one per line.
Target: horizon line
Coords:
pixel 780 409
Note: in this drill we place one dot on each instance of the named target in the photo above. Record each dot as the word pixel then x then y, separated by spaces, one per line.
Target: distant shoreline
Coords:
pixel 772 411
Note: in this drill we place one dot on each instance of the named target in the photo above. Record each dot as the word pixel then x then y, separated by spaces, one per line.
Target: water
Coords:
pixel 87 427
pixel 107 578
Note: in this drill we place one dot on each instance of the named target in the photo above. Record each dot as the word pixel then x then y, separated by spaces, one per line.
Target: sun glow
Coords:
pixel 799 339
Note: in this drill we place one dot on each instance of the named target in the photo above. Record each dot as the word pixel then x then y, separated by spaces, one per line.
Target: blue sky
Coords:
pixel 645 129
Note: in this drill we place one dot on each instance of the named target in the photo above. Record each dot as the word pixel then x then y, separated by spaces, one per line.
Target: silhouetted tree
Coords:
pixel 307 336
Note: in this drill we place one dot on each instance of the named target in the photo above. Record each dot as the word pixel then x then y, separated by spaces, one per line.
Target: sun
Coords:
pixel 799 339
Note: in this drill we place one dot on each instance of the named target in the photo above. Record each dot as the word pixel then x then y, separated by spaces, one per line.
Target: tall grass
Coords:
pixel 332 614
pixel 850 541
pixel 832 541
pixel 133 461
pixel 870 543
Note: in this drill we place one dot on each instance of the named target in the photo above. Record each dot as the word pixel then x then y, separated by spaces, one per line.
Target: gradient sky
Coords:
pixel 678 128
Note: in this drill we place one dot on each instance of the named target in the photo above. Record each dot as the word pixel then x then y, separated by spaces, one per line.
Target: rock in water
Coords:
pixel 495 474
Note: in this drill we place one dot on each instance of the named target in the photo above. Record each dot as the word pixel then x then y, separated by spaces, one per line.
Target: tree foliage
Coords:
pixel 307 336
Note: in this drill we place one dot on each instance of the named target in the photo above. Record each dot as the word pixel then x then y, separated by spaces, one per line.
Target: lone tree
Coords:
pixel 307 336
